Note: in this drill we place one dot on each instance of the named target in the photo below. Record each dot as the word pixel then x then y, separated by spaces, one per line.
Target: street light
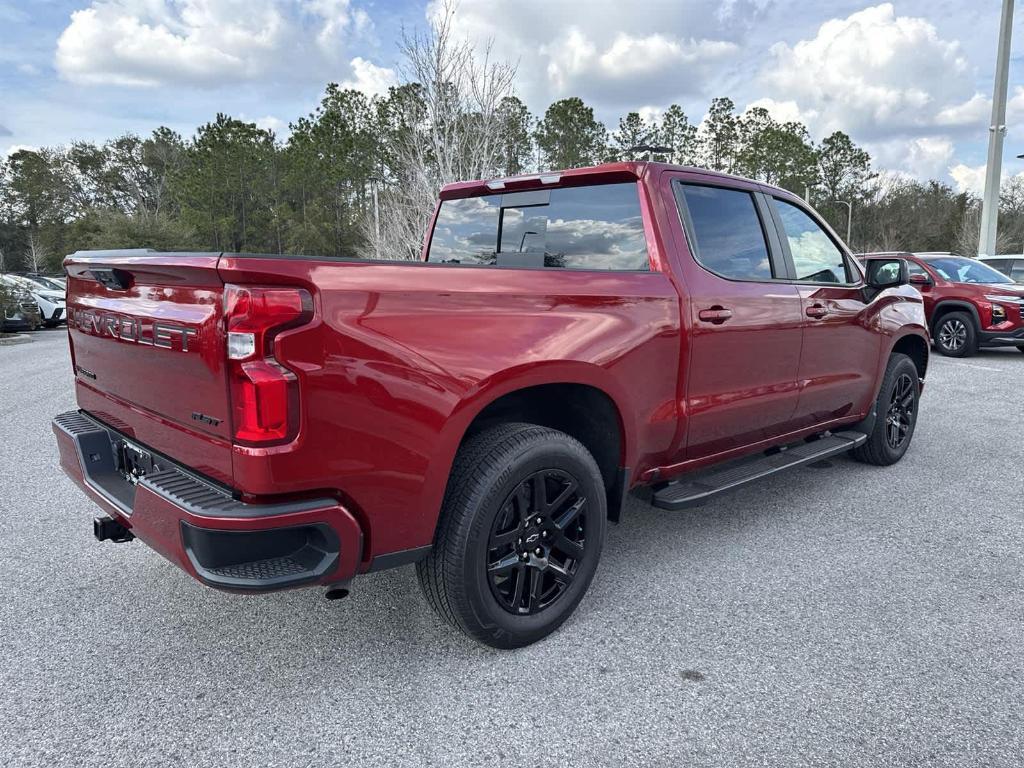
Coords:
pixel 849 217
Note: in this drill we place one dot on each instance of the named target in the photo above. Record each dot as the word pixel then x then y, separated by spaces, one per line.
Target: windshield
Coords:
pixel 45 282
pixel 957 269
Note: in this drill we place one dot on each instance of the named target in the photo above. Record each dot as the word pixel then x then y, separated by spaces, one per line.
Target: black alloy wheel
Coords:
pixel 900 416
pixel 519 536
pixel 537 542
pixel 896 410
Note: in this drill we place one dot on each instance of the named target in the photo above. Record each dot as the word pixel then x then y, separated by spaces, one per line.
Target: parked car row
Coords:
pixel 969 303
pixel 32 301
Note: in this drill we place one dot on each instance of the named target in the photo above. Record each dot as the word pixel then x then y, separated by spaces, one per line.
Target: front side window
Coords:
pixel 958 269
pixel 913 268
pixel 726 232
pixel 596 227
pixel 816 258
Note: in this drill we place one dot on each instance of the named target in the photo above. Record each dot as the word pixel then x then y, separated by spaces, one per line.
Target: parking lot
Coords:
pixel 840 615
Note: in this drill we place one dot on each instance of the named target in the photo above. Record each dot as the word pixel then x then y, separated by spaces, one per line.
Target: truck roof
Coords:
pixel 606 172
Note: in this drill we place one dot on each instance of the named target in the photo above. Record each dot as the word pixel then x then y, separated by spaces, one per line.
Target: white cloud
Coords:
pixel 629 67
pixel 205 43
pixel 369 78
pixel 877 75
pixel 785 111
pixel 18 148
pixel 928 157
pixel 271 123
pixel 971 178
pixel 968 178
pixel 616 56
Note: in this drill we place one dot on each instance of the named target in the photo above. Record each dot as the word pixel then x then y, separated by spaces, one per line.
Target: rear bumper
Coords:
pixel 200 526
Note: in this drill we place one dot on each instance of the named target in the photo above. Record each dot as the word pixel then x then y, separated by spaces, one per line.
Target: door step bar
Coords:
pixel 697 488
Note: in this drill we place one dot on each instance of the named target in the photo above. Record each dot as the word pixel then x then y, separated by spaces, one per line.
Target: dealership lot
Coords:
pixel 836 615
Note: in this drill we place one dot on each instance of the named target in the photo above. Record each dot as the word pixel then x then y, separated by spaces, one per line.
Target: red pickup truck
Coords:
pixel 266 422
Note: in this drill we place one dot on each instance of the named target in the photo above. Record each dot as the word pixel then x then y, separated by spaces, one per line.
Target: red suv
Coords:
pixel 968 303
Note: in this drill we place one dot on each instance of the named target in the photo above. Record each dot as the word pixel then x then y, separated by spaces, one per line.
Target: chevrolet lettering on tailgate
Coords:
pixel 136 330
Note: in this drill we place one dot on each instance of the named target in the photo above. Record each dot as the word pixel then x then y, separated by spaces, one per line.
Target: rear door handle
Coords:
pixel 716 315
pixel 816 310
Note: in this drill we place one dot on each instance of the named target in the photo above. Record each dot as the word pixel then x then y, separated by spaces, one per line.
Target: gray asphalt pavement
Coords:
pixel 845 615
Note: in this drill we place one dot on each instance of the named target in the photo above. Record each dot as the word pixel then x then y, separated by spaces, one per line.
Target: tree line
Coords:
pixel 234 186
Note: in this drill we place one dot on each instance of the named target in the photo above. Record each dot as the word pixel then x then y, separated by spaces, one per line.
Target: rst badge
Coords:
pixel 135 330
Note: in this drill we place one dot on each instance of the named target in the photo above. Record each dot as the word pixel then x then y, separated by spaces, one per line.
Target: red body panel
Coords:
pixel 400 357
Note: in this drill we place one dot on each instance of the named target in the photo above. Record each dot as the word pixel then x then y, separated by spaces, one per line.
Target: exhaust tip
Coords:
pixel 336 592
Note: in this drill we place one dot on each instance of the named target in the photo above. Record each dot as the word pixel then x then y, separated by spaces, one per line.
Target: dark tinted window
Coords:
pixel 727 233
pixel 1017 271
pixel 598 227
pixel 816 258
pixel 1003 265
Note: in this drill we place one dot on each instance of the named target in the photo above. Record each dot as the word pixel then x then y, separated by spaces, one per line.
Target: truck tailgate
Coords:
pixel 148 346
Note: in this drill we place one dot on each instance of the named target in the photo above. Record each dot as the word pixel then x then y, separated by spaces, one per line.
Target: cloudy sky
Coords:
pixel 910 80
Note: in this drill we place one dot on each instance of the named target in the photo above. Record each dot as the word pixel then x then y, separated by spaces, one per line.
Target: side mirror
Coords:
pixel 887 273
pixel 919 279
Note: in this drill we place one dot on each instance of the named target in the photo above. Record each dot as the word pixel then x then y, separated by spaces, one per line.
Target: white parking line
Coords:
pixel 971 365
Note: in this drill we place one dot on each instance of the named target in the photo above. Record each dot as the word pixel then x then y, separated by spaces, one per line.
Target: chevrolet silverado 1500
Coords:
pixel 271 421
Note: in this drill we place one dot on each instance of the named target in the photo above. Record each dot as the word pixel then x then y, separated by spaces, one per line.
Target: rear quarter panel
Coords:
pixel 403 356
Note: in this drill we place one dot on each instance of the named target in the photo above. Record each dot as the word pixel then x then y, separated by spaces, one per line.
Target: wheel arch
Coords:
pixel 915 346
pixel 944 307
pixel 580 399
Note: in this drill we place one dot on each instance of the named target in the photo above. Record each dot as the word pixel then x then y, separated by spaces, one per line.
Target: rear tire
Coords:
pixel 956 335
pixel 896 414
pixel 495 572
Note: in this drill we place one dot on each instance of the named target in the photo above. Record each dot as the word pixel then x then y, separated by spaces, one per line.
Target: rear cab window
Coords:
pixel 597 227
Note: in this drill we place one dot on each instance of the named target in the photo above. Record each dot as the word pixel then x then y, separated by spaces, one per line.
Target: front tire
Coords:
pixel 519 536
pixel 896 414
pixel 955 335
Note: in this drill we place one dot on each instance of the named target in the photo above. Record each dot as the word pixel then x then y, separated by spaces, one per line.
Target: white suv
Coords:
pixel 48 295
pixel 1009 265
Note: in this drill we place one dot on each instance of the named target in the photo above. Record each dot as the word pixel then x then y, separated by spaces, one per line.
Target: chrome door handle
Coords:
pixel 816 311
pixel 716 315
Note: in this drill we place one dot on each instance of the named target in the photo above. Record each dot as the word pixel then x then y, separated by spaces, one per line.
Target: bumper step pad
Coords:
pixel 701 486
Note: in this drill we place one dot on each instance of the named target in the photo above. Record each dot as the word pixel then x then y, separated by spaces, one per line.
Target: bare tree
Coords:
pixel 968 233
pixel 36 253
pixel 454 136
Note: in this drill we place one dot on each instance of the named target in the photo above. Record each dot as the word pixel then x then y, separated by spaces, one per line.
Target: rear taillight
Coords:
pixel 264 393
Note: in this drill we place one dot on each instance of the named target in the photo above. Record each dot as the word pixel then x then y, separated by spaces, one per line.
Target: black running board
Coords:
pixel 699 487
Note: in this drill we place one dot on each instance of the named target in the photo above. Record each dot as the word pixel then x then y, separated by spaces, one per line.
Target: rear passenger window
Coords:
pixel 726 232
pixel 816 257
pixel 596 227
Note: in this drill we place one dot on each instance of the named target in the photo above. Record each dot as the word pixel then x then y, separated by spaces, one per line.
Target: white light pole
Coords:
pixel 997 130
